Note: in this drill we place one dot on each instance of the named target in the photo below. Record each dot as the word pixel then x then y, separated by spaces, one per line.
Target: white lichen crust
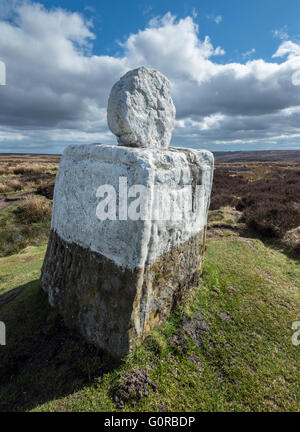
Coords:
pixel 140 109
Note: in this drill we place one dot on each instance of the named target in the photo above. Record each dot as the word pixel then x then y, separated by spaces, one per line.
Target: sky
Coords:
pixel 234 69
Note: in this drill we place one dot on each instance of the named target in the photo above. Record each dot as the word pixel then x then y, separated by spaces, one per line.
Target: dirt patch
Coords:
pixel 232 288
pixel 135 385
pixel 162 408
pixel 6 202
pixel 11 200
pixel 225 316
pixel 196 361
pixel 194 328
pixel 3 204
pixel 178 340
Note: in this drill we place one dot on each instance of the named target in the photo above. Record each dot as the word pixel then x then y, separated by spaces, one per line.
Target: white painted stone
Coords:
pixel 140 109
pixel 129 243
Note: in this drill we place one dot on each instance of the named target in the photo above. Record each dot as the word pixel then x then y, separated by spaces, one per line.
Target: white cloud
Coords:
pixel 288 48
pixel 281 34
pixel 249 53
pixel 216 18
pixel 57 90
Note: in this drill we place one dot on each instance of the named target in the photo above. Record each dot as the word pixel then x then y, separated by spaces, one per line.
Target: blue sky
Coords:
pixel 243 25
pixel 233 66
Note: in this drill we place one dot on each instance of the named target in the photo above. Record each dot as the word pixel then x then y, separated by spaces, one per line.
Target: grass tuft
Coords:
pixel 34 209
pixel 28 169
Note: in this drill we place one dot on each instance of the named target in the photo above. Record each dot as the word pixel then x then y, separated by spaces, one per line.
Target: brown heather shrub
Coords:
pixel 46 190
pixel 34 209
pixel 2 171
pixel 271 219
pixel 270 206
pixel 10 185
pixel 15 185
pixel 4 188
pixel 226 188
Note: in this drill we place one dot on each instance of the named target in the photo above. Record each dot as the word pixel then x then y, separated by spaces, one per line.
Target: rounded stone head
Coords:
pixel 140 109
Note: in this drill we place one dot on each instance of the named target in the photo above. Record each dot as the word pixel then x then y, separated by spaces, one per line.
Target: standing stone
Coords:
pixel 140 109
pixel 127 237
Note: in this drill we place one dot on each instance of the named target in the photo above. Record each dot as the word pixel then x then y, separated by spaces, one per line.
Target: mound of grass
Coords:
pixel 15 185
pixel 34 209
pixel 226 348
pixel 292 239
pixel 4 188
pixel 10 185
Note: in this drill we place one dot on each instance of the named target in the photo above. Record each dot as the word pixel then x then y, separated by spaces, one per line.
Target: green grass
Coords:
pixel 249 362
pixel 16 270
pixel 16 235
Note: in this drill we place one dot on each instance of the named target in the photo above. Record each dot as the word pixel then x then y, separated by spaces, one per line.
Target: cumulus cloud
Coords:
pixel 57 89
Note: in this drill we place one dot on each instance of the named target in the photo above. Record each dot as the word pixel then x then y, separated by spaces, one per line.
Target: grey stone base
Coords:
pixel 115 308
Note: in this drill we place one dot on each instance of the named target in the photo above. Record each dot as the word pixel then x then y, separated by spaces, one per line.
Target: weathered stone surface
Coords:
pixel 114 279
pixel 140 109
pixel 132 243
pixel 113 307
pixel 128 223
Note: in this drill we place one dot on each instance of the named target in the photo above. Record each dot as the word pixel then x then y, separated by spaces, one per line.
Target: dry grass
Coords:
pixel 25 159
pixel 15 185
pixel 4 188
pixel 292 238
pixel 28 169
pixel 35 209
pixel 10 185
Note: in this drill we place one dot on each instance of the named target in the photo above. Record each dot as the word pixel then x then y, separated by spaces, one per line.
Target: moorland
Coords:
pixel 226 347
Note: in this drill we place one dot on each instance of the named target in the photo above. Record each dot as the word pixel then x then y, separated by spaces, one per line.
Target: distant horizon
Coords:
pixel 213 151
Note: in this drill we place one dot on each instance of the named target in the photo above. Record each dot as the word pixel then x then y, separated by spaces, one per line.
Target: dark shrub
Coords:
pixel 271 206
pixel 46 190
pixel 271 219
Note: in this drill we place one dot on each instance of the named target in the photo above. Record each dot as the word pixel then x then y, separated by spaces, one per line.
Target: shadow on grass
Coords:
pixel 42 359
pixel 244 231
pixel 273 243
